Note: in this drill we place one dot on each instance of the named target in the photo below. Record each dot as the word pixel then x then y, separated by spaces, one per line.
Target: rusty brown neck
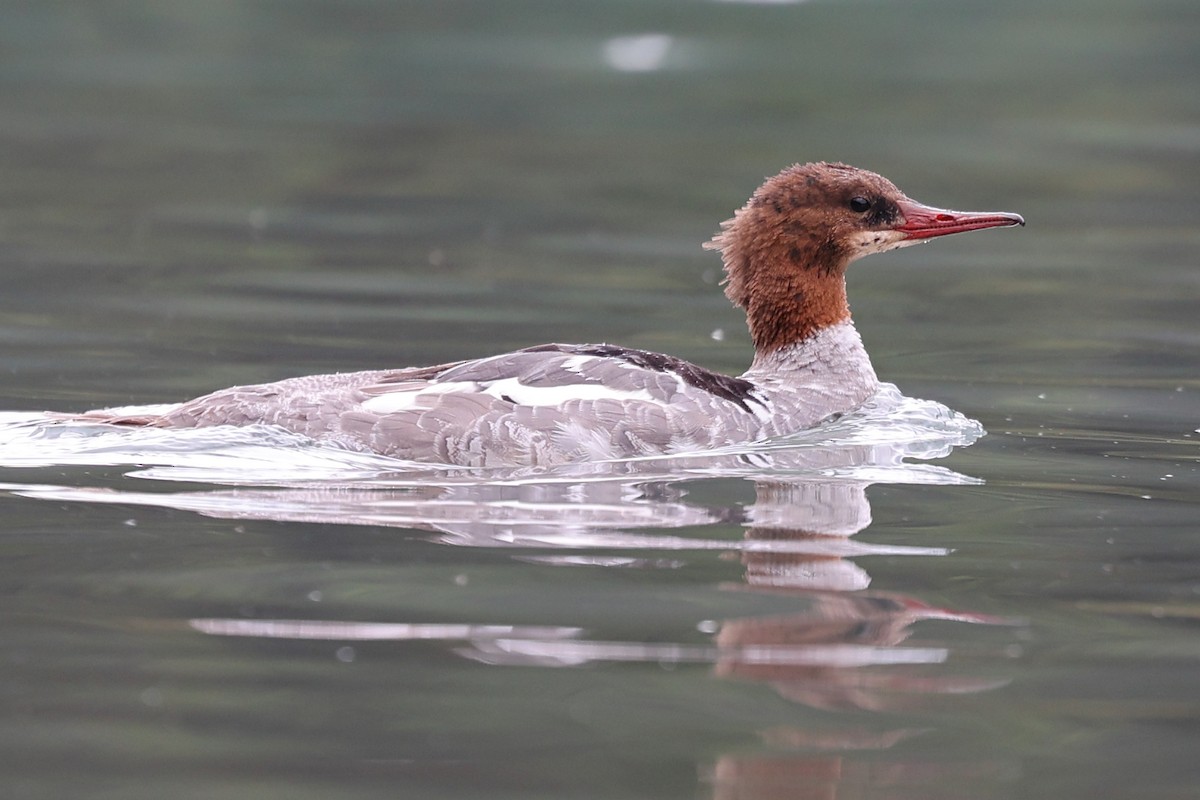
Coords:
pixel 790 294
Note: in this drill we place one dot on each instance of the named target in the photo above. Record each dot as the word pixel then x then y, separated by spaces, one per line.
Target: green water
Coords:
pixel 198 195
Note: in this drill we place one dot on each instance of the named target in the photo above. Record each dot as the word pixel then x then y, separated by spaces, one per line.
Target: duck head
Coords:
pixel 786 251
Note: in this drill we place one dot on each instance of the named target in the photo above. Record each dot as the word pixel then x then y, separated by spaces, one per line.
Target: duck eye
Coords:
pixel 859 204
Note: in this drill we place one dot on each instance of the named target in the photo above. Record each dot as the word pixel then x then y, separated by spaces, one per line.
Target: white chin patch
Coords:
pixel 867 243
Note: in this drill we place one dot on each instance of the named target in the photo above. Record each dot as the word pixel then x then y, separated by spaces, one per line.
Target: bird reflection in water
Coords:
pixel 849 649
pixel 866 667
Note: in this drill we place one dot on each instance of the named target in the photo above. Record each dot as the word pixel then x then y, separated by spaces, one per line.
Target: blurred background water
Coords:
pixel 201 194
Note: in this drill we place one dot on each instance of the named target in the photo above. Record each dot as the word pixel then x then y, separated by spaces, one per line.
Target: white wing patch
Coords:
pixel 576 363
pixel 514 391
pixel 424 396
pixel 410 396
pixel 760 406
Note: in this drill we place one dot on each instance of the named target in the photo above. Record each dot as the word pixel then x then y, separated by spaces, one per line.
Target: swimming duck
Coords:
pixel 785 254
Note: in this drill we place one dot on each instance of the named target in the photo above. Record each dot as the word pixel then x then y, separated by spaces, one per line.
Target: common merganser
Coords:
pixel 785 255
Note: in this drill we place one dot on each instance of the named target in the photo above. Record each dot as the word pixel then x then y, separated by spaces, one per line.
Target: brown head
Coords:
pixel 786 250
